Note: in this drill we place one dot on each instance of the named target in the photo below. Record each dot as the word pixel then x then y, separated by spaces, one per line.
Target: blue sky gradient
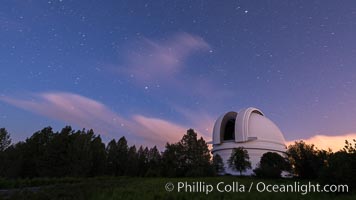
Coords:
pixel 148 70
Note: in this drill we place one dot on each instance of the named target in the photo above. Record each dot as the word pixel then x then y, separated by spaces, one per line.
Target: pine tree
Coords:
pixel 122 149
pixel 218 164
pixel 189 157
pixel 154 162
pixel 132 162
pixel 239 160
pixel 5 140
pixel 98 157
pixel 112 157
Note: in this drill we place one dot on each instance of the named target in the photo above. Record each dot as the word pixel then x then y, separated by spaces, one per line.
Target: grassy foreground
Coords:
pixel 147 188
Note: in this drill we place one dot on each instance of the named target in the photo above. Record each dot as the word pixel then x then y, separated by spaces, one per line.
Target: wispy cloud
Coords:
pixel 165 63
pixel 148 62
pixel 152 60
pixel 88 113
pixel 156 129
pixel 200 120
pixel 71 108
pixel 334 142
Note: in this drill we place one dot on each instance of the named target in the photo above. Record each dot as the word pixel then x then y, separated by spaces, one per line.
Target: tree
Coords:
pixel 349 147
pixel 79 153
pixel 154 162
pixel 218 164
pixel 239 160
pixel 172 160
pixel 204 164
pixel 5 140
pixel 189 157
pixel 117 153
pixel 98 157
pixel 49 154
pixel 189 147
pixel 142 155
pixel 35 153
pixel 112 157
pixel 132 162
pixel 305 159
pixel 59 161
pixel 195 155
pixel 122 149
pixel 271 165
pixel 12 163
pixel 340 167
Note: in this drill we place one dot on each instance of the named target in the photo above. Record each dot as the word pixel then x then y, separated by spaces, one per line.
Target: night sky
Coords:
pixel 149 70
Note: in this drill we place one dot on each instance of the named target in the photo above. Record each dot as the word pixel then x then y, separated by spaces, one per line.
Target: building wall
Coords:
pixel 255 154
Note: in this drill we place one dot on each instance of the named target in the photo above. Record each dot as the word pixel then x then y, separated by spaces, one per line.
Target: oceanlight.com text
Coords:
pixel 236 187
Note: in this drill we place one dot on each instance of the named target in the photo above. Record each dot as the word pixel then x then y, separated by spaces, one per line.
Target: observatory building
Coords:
pixel 250 129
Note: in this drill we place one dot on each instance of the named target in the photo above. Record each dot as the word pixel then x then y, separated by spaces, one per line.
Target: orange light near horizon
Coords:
pixel 335 142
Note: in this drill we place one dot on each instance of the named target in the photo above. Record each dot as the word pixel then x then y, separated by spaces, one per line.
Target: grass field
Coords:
pixel 149 188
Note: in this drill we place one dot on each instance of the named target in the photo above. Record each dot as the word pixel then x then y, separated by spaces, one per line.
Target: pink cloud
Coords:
pixel 163 130
pixel 88 113
pixel 334 142
pixel 72 109
pixel 200 120
pixel 159 130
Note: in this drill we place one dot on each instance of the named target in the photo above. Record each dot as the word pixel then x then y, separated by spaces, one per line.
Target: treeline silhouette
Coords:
pixel 308 162
pixel 81 153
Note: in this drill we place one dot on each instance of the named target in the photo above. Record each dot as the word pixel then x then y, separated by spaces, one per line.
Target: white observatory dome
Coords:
pixel 250 129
